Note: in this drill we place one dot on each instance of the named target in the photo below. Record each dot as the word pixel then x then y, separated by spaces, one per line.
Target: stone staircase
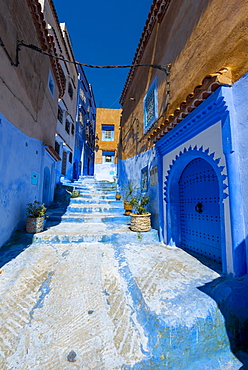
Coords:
pixel 95 216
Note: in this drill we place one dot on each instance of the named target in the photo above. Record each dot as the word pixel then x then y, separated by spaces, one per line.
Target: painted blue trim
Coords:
pixel 207 114
pixel 153 87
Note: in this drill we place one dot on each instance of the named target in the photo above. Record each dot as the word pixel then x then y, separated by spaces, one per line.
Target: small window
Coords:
pixel 57 147
pixel 70 157
pixel 108 156
pixel 144 179
pixel 154 176
pixel 70 90
pixel 72 129
pixel 51 84
pixel 81 118
pixel 60 114
pixel 151 106
pixel 107 132
pixel 67 126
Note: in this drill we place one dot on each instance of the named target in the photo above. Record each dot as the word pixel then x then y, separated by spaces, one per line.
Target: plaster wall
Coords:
pixel 211 139
pixel 198 39
pixel 130 170
pixel 21 158
pixel 25 99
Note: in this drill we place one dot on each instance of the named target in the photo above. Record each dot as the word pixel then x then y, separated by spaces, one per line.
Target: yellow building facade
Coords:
pixel 107 133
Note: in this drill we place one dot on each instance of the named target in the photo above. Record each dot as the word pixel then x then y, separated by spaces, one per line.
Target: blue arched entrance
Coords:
pixel 199 209
pixel 194 193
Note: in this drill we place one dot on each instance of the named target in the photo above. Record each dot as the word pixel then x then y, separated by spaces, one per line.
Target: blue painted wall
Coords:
pixel 22 162
pixel 240 102
pixel 130 170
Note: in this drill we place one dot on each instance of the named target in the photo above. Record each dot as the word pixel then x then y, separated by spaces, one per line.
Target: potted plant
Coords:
pixel 140 219
pixel 75 194
pixel 127 195
pixel 118 195
pixel 35 217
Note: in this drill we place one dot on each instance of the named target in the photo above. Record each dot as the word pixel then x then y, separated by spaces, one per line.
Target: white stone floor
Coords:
pixel 96 306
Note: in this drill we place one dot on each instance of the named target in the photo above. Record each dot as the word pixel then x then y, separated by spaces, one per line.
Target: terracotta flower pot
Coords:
pixel 128 208
pixel 34 224
pixel 140 222
pixel 118 196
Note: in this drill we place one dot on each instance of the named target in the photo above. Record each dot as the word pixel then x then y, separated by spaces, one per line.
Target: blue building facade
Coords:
pixel 83 162
pixel 202 179
pixel 184 133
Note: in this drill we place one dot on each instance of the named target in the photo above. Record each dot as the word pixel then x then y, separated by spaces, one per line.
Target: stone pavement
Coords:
pixel 87 293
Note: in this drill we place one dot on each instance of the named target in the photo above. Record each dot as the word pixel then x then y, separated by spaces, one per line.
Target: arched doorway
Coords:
pixel 199 209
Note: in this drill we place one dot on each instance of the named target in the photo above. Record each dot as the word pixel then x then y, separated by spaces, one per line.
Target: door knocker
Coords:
pixel 198 208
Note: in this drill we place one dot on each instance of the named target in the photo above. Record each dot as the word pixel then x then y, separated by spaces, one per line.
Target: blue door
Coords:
pixel 200 209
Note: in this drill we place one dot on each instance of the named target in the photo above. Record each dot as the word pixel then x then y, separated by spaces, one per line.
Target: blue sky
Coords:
pixel 104 33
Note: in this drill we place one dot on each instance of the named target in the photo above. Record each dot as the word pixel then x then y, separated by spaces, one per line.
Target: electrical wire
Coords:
pixel 164 68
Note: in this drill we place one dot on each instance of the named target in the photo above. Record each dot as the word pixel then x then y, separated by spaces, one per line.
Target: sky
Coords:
pixel 104 32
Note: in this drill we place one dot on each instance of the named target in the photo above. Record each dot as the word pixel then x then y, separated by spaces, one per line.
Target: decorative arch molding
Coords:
pixel 180 162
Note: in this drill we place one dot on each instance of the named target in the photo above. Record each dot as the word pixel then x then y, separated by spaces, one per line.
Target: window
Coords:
pixel 144 179
pixel 60 114
pixel 72 129
pixel 108 156
pixel 70 157
pixel 70 90
pixel 67 126
pixel 107 132
pixel 151 106
pixel 51 85
pixel 82 95
pixel 81 118
pixel 154 176
pixel 57 147
pixel 64 162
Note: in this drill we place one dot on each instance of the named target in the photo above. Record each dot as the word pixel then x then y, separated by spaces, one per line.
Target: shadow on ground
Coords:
pixel 21 240
pixel 231 296
pixel 213 265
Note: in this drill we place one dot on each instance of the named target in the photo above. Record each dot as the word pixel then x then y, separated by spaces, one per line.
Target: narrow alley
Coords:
pixel 88 293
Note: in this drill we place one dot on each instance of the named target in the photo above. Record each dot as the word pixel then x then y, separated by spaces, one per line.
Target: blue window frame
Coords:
pixel 108 156
pixel 51 84
pixel 151 105
pixel 108 132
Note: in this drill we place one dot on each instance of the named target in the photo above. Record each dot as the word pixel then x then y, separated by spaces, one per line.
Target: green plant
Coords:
pixel 36 209
pixel 128 191
pixel 139 202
